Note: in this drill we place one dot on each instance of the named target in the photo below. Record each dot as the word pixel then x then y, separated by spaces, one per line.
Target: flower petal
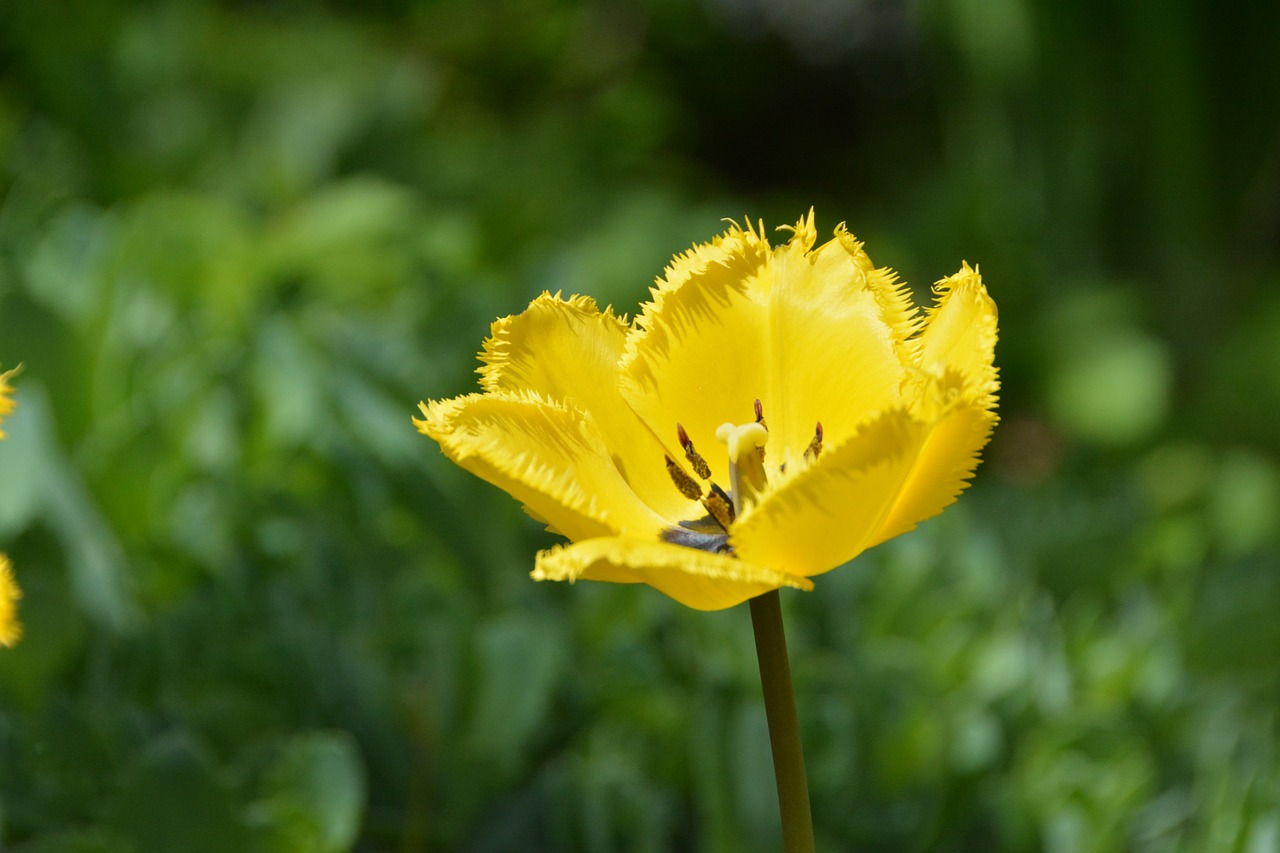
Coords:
pixel 10 628
pixel 549 456
pixel 956 355
pixel 942 469
pixel 837 341
pixel 960 332
pixel 697 579
pixel 826 513
pixel 817 336
pixel 7 405
pixel 896 471
pixel 568 350
pixel 696 357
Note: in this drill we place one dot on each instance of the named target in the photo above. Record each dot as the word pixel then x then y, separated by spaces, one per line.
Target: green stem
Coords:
pixel 784 728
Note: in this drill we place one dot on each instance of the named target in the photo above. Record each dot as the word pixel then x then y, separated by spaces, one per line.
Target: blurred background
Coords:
pixel 239 241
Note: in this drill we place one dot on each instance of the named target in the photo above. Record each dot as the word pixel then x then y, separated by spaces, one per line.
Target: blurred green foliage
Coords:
pixel 239 241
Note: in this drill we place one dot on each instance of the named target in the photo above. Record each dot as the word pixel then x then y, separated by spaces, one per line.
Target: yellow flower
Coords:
pixel 7 405
pixel 771 414
pixel 10 630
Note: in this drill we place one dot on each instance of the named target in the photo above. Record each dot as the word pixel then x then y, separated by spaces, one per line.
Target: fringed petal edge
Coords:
pixel 696 579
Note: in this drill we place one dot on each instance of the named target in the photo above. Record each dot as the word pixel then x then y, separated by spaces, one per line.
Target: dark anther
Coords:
pixel 700 466
pixel 687 485
pixel 715 487
pixel 815 446
pixel 717 503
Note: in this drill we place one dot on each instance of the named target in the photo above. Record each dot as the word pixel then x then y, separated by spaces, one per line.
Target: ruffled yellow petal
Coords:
pixel 816 336
pixel 10 629
pixel 836 343
pixel 547 455
pixel 697 356
pixel 744 249
pixel 697 579
pixel 957 345
pixel 826 514
pixel 568 350
pixel 7 404
pixel 960 333
pixel 943 467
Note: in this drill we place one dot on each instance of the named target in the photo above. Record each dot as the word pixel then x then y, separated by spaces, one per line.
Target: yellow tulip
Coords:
pixel 10 629
pixel 7 405
pixel 771 413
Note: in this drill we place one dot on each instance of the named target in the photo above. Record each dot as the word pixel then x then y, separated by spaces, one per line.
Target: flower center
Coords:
pixel 745 445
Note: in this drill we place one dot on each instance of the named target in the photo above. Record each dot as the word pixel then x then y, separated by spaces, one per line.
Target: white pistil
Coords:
pixel 746 471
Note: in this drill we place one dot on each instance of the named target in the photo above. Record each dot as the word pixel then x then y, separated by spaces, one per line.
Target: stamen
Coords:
pixel 745 444
pixel 700 466
pixel 815 446
pixel 721 495
pixel 687 485
pixel 760 420
pixel 720 506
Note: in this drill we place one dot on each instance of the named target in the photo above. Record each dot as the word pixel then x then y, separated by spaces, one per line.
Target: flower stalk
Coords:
pixel 784 727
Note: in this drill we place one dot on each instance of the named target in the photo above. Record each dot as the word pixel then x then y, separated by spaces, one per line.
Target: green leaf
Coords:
pixel 314 794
